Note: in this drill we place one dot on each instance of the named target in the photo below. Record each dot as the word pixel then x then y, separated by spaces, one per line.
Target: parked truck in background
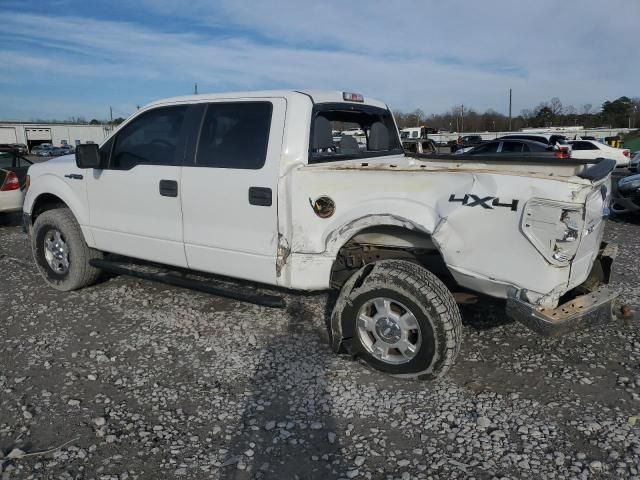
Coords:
pixel 253 186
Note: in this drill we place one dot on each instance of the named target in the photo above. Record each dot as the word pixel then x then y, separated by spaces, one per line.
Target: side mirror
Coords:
pixel 88 156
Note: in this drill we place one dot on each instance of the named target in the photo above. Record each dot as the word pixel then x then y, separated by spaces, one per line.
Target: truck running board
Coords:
pixel 121 268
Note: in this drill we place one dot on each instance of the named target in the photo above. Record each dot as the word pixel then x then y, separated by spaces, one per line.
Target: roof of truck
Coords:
pixel 318 96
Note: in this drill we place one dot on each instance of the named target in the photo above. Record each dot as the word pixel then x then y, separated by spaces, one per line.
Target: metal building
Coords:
pixel 32 134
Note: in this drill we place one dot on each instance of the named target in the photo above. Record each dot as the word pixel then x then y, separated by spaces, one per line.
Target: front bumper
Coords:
pixel 594 305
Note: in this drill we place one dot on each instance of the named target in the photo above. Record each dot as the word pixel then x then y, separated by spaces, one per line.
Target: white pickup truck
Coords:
pixel 252 186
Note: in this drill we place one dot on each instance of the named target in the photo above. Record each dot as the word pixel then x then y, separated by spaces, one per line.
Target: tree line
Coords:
pixel 79 121
pixel 619 113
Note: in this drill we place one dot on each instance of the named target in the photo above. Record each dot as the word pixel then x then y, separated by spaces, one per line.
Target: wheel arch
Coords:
pixel 382 237
pixel 44 202
pixel 49 191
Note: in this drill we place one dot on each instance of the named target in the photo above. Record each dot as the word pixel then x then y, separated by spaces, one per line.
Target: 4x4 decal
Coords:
pixel 471 200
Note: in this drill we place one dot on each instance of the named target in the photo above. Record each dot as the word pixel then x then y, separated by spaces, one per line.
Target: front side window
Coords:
pixel 235 135
pixel 151 139
pixel 367 131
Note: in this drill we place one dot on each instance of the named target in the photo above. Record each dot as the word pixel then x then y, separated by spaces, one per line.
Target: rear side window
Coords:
pixel 151 138
pixel 510 146
pixel 235 135
pixel 490 147
pixel 583 146
pixel 23 162
pixel 6 159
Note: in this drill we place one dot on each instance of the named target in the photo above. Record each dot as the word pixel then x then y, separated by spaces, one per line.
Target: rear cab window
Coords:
pixel 366 132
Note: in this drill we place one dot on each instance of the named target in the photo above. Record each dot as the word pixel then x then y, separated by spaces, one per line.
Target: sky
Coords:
pixel 74 58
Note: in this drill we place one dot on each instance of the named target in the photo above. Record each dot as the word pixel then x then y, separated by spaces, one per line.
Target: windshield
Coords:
pixel 366 131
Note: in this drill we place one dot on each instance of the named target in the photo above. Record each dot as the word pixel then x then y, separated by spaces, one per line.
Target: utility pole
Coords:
pixel 462 118
pixel 195 89
pixel 111 114
pixel 509 109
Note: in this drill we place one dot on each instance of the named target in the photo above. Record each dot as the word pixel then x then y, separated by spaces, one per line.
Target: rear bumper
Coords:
pixel 11 201
pixel 594 305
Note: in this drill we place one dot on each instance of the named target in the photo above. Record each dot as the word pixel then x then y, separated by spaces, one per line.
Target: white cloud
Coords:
pixel 411 54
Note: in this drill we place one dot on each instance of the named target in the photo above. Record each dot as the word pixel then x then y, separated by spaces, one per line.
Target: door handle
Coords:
pixel 168 188
pixel 260 196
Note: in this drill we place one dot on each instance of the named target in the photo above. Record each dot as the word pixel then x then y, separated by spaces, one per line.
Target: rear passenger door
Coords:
pixel 230 188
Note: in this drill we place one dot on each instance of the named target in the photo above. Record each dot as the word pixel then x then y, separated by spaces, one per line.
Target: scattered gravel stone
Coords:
pixel 483 422
pixel 175 383
pixel 100 421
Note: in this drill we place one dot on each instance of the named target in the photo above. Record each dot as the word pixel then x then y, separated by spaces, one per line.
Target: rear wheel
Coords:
pixel 60 252
pixel 400 319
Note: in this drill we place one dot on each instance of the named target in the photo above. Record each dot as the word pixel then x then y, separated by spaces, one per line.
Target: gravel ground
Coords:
pixel 132 379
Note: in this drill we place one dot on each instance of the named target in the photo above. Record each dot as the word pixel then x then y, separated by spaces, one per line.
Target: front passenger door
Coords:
pixel 135 203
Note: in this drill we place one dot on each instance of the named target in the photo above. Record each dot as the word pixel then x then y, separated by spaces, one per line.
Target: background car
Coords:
pixel 551 139
pixel 626 195
pixel 420 146
pixel 13 174
pixel 21 148
pixel 43 152
pixel 465 142
pixel 513 147
pixel 589 149
pixel 634 163
pixel 58 151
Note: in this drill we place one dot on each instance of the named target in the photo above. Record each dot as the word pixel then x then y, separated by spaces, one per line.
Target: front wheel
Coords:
pixel 400 319
pixel 60 252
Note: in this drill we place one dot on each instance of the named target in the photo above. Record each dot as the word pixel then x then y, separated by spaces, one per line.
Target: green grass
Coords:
pixel 632 141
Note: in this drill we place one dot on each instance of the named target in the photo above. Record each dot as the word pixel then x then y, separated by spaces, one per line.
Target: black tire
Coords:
pixel 79 273
pixel 415 289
